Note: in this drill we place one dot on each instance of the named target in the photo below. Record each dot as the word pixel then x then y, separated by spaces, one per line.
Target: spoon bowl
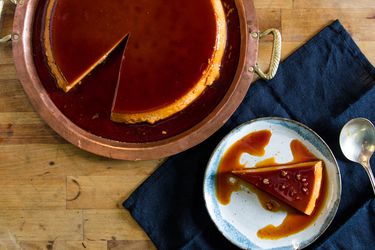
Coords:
pixel 357 142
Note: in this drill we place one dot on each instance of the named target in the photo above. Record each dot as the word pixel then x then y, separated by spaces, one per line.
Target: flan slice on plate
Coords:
pixel 297 185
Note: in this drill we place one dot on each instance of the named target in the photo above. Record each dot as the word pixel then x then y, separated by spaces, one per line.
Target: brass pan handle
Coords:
pixel 275 57
pixel 10 36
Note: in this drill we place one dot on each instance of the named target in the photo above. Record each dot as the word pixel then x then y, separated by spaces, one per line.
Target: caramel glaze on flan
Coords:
pixel 297 184
pixel 170 56
pixel 73 47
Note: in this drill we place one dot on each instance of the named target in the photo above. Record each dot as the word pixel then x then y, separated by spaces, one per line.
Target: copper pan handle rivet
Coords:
pixel 17 2
pixel 275 57
pixel 14 36
pixel 254 34
pixel 10 37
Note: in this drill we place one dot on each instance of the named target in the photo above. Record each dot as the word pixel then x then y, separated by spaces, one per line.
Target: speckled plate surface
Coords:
pixel 240 220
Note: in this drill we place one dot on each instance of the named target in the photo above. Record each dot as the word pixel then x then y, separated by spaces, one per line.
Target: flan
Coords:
pixel 169 60
pixel 297 185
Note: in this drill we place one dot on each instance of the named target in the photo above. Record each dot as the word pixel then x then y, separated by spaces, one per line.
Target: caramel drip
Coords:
pixel 253 144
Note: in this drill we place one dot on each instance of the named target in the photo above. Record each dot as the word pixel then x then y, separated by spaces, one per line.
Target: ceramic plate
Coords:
pixel 240 220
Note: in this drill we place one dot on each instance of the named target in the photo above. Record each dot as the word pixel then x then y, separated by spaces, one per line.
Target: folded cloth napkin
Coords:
pixel 325 83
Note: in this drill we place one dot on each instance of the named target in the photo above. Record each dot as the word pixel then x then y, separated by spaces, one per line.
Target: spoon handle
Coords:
pixel 370 174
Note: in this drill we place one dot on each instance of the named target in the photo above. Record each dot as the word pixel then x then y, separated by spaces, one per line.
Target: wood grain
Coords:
pixel 6 54
pixel 336 4
pixel 368 49
pixel 269 18
pixel 37 192
pixel 100 192
pixel 43 245
pixel 89 245
pixel 12 96
pixel 302 24
pixel 130 244
pixel 273 4
pixel 111 224
pixel 65 160
pixel 39 171
pixel 54 245
pixel 43 225
pixel 28 134
pixel 20 118
pixel 32 245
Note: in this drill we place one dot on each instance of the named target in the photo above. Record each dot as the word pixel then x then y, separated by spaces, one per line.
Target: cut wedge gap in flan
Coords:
pixel 298 185
pixel 124 111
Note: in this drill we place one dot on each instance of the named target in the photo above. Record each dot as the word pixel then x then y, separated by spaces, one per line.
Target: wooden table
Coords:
pixel 55 196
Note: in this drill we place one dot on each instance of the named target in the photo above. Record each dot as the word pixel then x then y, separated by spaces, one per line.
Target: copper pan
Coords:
pixel 27 74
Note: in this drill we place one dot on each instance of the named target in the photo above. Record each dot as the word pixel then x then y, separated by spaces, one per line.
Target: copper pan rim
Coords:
pixel 27 74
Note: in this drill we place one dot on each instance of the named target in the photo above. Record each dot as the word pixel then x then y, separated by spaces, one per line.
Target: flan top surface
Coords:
pixel 297 185
pixel 170 43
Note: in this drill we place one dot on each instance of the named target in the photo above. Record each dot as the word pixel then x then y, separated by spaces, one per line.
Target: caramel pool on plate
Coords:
pixel 255 144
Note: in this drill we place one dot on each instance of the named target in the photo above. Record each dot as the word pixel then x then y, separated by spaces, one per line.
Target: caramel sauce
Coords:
pixel 253 144
pixel 266 163
pixel 226 184
pixel 300 153
pixel 89 104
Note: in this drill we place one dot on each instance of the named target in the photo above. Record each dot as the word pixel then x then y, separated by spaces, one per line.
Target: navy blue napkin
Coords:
pixel 325 83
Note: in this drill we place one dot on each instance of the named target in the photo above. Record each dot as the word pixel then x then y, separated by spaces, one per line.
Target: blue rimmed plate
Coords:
pixel 240 220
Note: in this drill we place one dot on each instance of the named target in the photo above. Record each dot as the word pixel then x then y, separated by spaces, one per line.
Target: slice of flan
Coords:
pixel 297 185
pixel 172 54
pixel 68 65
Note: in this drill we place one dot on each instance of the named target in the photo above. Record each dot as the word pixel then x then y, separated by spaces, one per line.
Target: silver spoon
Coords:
pixel 357 142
